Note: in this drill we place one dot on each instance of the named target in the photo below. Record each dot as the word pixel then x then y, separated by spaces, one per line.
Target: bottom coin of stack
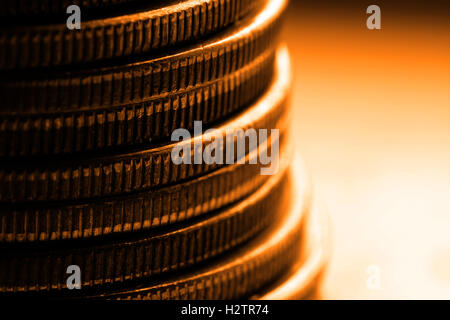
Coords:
pixel 258 238
pixel 303 279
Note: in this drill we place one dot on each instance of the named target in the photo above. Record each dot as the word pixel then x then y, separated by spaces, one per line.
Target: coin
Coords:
pixel 111 85
pixel 303 278
pixel 89 178
pixel 242 273
pixel 120 36
pixel 137 212
pixel 99 176
pixel 42 268
pixel 149 121
pixel 29 8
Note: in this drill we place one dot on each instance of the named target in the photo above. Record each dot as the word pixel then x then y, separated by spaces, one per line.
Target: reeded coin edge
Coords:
pixel 123 84
pixel 18 9
pixel 55 45
pixel 72 131
pixel 45 269
pixel 246 270
pixel 103 176
pixel 305 276
pixel 146 210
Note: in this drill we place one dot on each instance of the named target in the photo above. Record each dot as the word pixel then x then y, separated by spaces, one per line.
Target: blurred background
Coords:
pixel 371 119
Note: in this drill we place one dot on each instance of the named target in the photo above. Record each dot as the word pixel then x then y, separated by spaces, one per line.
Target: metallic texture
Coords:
pixel 140 80
pixel 86 171
pixel 43 268
pixel 120 36
pixel 148 121
pixel 89 177
pixel 303 279
pixel 149 209
pixel 29 8
pixel 245 271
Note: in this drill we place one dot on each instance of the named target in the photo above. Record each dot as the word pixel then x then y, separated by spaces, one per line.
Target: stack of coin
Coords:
pixel 147 155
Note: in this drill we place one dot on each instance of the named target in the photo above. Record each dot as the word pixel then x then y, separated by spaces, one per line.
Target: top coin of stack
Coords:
pixel 88 176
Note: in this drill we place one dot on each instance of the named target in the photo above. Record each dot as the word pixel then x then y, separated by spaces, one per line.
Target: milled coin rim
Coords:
pixel 306 274
pixel 14 9
pixel 41 133
pixel 134 82
pixel 81 178
pixel 163 27
pixel 34 216
pixel 133 257
pixel 279 246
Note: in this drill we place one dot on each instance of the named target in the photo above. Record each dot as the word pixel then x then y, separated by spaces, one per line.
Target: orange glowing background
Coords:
pixel 371 119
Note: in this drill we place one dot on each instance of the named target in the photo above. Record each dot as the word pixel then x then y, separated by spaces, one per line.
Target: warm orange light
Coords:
pixel 372 118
